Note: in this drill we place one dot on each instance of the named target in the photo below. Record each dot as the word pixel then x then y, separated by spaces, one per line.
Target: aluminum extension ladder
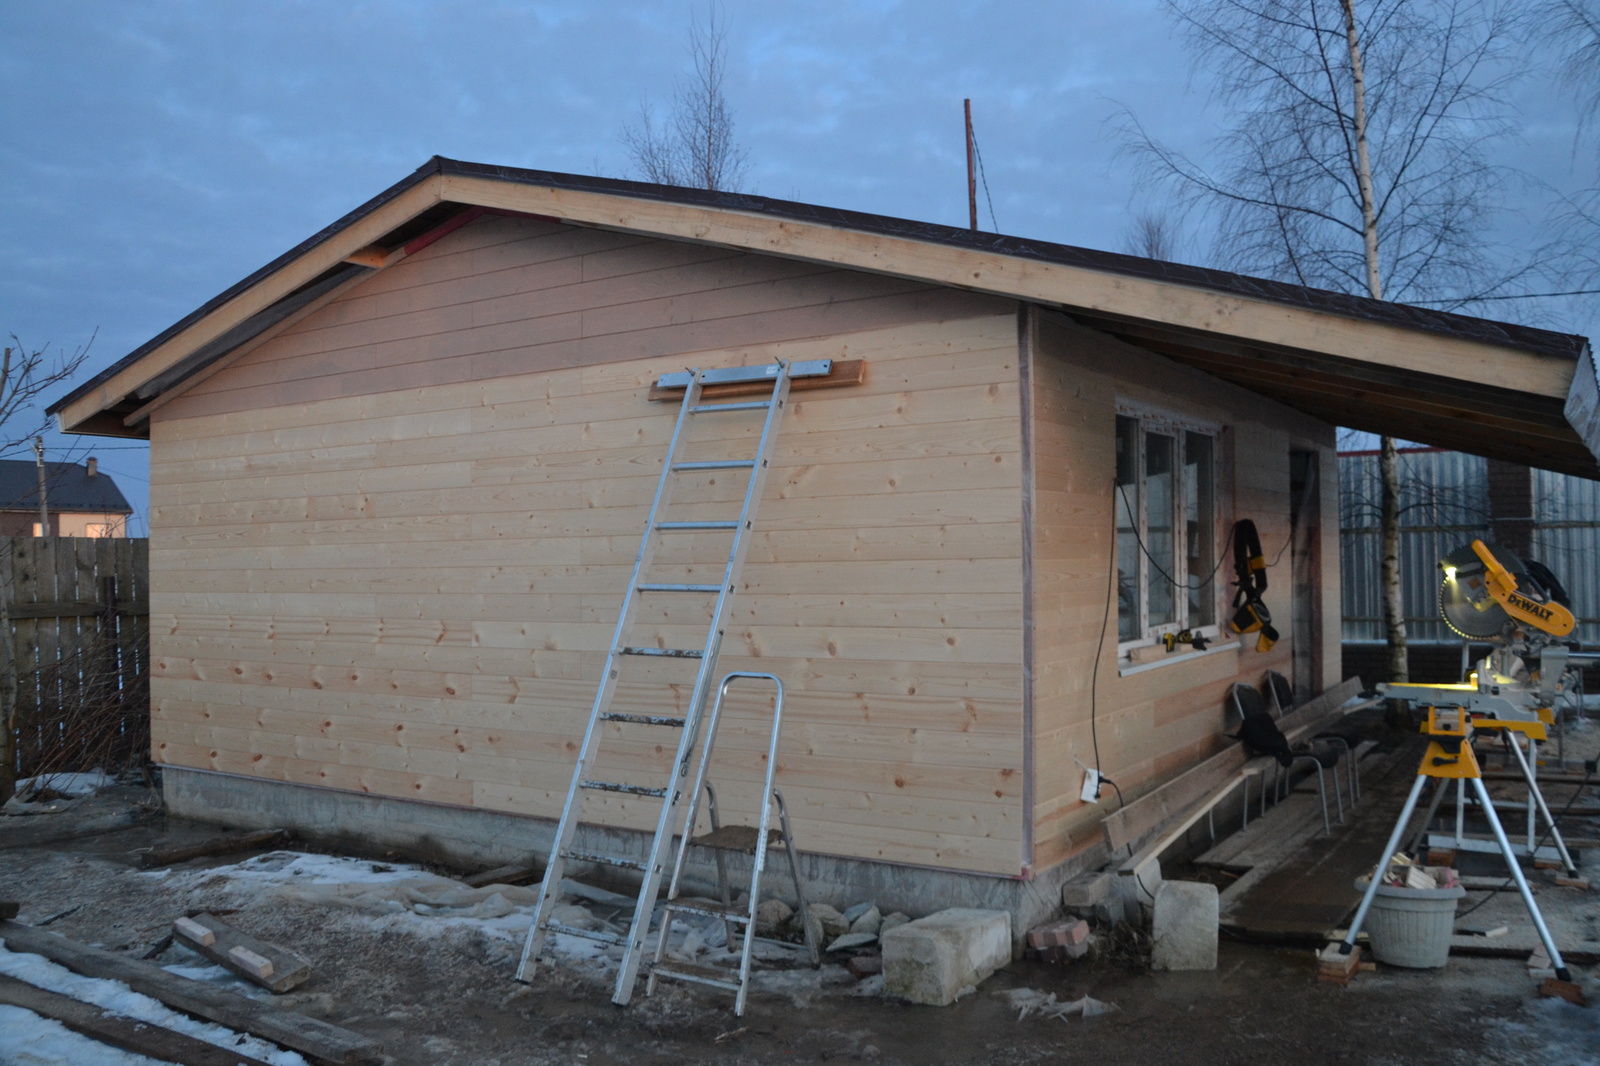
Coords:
pixel 669 786
pixel 754 840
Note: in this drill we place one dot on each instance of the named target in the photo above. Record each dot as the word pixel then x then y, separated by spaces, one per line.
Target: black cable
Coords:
pixel 1587 774
pixel 1227 548
pixel 1099 647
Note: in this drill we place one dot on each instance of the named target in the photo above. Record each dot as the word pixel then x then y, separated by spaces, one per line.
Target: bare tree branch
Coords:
pixel 26 374
pixel 695 146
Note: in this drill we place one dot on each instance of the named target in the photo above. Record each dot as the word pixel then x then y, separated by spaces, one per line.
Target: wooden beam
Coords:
pixel 844 372
pixel 227 844
pixel 115 1030
pixel 294 1031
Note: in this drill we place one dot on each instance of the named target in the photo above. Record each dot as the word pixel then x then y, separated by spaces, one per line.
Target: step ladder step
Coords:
pixel 603 860
pixel 733 912
pixel 717 464
pixel 691 527
pixel 587 934
pixel 632 790
pixel 700 975
pixel 665 653
pixel 658 586
pixel 736 838
pixel 643 719
pixel 749 405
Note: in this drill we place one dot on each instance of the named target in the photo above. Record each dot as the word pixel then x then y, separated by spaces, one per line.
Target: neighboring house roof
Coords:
pixel 68 487
pixel 1432 376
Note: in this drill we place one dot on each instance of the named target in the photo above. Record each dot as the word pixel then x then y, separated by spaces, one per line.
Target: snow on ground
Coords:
pixel 86 784
pixel 29 1040
pixel 118 998
pixel 403 897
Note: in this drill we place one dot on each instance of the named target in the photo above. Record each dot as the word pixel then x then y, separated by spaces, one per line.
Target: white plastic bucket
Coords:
pixel 1411 926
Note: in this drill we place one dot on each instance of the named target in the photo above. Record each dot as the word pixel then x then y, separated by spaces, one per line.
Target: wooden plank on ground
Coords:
pixel 141 1038
pixel 239 951
pixel 515 874
pixel 228 844
pixel 295 1031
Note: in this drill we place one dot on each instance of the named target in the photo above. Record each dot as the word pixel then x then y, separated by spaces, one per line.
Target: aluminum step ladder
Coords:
pixel 668 785
pixel 755 840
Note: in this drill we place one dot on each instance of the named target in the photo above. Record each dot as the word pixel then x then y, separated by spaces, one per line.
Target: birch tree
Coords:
pixel 1354 160
pixel 695 145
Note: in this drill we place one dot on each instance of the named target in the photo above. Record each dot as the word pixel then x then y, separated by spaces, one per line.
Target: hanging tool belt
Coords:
pixel 1250 614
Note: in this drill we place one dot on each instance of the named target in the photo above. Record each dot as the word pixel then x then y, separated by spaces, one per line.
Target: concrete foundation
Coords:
pixel 932 959
pixel 469 838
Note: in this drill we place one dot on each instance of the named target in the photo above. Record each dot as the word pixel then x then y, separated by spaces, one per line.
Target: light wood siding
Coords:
pixel 1155 723
pixel 390 544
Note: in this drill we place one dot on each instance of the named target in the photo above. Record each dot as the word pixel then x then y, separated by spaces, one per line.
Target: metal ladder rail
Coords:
pixel 666 825
pixel 739 987
pixel 566 829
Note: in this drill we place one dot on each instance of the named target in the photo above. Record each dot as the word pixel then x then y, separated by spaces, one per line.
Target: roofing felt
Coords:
pixel 1442 323
pixel 68 487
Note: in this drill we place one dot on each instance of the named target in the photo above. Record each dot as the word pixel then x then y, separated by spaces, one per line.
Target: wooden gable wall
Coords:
pixel 388 546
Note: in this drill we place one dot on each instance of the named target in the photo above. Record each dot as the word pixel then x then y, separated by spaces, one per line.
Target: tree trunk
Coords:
pixel 1394 612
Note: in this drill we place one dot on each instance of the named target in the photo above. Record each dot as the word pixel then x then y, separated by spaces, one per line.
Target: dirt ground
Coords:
pixel 448 998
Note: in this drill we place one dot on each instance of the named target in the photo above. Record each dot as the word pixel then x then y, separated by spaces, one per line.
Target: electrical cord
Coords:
pixel 1587 775
pixel 1227 548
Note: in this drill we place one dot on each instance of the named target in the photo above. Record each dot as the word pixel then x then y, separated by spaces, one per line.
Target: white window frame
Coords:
pixel 1170 423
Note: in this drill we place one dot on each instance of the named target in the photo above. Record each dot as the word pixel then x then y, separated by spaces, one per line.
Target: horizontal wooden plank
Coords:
pixel 843 372
pixel 292 1030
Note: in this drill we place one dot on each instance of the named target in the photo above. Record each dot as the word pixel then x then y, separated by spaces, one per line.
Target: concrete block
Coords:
pixel 933 958
pixel 1082 893
pixel 1183 929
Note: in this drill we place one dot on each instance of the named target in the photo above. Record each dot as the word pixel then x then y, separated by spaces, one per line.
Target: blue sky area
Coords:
pixel 156 152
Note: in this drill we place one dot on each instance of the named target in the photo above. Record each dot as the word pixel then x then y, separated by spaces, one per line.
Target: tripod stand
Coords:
pixel 1450 758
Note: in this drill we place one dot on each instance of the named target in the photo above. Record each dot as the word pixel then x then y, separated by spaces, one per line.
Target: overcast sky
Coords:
pixel 157 152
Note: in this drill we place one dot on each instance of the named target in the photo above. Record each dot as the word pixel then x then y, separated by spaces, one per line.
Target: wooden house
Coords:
pixel 398 477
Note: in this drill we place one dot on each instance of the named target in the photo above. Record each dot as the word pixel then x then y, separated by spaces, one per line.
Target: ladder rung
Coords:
pixel 732 912
pixel 700 975
pixel 749 405
pixel 669 653
pixel 604 860
pixel 690 526
pixel 632 790
pixel 642 719
pixel 717 464
pixel 663 587
pixel 587 934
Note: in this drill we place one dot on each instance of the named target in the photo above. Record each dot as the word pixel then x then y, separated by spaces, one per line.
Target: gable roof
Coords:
pixel 1432 376
pixel 68 487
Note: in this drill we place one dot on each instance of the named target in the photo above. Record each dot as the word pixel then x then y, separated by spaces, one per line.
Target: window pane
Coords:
pixel 1200 524
pixel 1127 505
pixel 1160 462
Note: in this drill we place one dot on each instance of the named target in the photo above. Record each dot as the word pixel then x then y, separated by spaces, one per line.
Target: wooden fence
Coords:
pixel 74 655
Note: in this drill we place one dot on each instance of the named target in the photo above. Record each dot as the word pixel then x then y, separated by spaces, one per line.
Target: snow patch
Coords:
pixel 29 1040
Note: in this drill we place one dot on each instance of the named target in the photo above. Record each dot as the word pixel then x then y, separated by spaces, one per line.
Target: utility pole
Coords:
pixel 972 173
pixel 44 507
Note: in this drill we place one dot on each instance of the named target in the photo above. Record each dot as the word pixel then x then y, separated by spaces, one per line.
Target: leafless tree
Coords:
pixel 1572 28
pixel 26 375
pixel 1153 235
pixel 1355 161
pixel 695 145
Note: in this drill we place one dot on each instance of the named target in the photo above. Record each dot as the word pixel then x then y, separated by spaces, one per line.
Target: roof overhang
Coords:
pixel 1489 388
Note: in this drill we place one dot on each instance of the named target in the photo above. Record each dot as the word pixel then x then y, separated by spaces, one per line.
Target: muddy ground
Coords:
pixel 447 997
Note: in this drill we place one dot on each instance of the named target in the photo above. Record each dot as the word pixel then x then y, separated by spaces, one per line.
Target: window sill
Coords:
pixel 1126 669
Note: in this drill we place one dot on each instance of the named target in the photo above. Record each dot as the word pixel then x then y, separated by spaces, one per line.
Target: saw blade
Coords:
pixel 1475 620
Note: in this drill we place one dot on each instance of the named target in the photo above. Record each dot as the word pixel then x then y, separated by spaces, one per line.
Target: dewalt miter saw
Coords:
pixel 1520 608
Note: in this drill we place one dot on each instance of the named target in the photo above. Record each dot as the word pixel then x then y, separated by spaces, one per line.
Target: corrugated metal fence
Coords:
pixel 1443 505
